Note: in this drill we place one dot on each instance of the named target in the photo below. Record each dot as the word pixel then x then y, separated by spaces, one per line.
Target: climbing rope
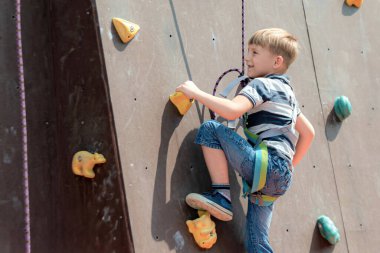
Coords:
pixel 241 73
pixel 24 126
pixel 242 38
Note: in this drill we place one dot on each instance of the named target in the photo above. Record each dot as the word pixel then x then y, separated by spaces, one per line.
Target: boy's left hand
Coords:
pixel 188 88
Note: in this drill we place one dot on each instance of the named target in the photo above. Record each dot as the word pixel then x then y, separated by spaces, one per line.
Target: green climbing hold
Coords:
pixel 342 107
pixel 328 230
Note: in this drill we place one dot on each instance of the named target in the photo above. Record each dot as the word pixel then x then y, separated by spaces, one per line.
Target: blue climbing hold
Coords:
pixel 342 107
pixel 328 230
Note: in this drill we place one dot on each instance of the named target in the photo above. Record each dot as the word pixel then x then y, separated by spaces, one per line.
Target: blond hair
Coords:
pixel 278 41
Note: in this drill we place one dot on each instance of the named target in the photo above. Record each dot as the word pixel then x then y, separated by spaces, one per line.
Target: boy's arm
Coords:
pixel 228 109
pixel 306 136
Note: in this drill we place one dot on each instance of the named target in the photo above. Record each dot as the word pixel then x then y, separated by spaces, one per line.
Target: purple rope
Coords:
pixel 24 127
pixel 212 114
pixel 242 37
pixel 241 73
pixel 221 77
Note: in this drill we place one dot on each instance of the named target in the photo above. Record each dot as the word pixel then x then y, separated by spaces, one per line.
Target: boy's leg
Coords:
pixel 217 165
pixel 219 145
pixel 217 202
pixel 257 228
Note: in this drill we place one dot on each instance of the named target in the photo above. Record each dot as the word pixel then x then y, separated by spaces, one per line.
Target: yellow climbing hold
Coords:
pixel 203 230
pixel 356 3
pixel 83 163
pixel 126 30
pixel 182 103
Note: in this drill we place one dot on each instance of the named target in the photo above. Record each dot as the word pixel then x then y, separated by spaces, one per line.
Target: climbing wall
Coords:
pixel 199 40
pixel 67 109
pixel 345 45
pixel 160 162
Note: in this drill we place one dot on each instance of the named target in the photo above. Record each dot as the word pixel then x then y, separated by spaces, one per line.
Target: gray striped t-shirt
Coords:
pixel 273 102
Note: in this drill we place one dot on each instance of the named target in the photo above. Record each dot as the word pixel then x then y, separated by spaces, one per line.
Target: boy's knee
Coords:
pixel 210 125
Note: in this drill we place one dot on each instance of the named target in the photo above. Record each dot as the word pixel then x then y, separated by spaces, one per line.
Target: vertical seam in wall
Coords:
pixel 324 119
pixel 200 114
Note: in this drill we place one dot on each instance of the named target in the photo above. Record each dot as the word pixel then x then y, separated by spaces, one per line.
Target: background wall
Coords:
pixel 199 40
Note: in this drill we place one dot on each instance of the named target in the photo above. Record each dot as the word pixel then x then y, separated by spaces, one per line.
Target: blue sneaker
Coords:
pixel 213 202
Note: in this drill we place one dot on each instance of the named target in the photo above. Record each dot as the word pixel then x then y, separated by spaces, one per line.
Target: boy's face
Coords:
pixel 260 61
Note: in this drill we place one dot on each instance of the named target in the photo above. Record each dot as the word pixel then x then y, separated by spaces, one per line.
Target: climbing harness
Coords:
pixel 261 162
pixel 261 150
pixel 24 127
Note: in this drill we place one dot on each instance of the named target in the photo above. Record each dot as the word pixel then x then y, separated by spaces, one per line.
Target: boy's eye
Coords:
pixel 254 52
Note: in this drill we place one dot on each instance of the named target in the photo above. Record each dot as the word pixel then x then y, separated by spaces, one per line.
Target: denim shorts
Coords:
pixel 241 156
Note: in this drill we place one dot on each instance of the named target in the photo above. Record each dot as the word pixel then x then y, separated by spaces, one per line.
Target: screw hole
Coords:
pixel 13 17
pixel 313 166
pixel 135 99
pixel 170 35
pixel 287 230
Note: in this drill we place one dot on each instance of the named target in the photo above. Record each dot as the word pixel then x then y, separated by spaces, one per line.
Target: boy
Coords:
pixel 270 104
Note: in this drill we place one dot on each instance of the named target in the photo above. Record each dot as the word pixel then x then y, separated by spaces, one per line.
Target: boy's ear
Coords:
pixel 279 61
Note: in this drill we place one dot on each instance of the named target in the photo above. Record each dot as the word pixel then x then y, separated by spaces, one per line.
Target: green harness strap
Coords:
pixel 259 172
